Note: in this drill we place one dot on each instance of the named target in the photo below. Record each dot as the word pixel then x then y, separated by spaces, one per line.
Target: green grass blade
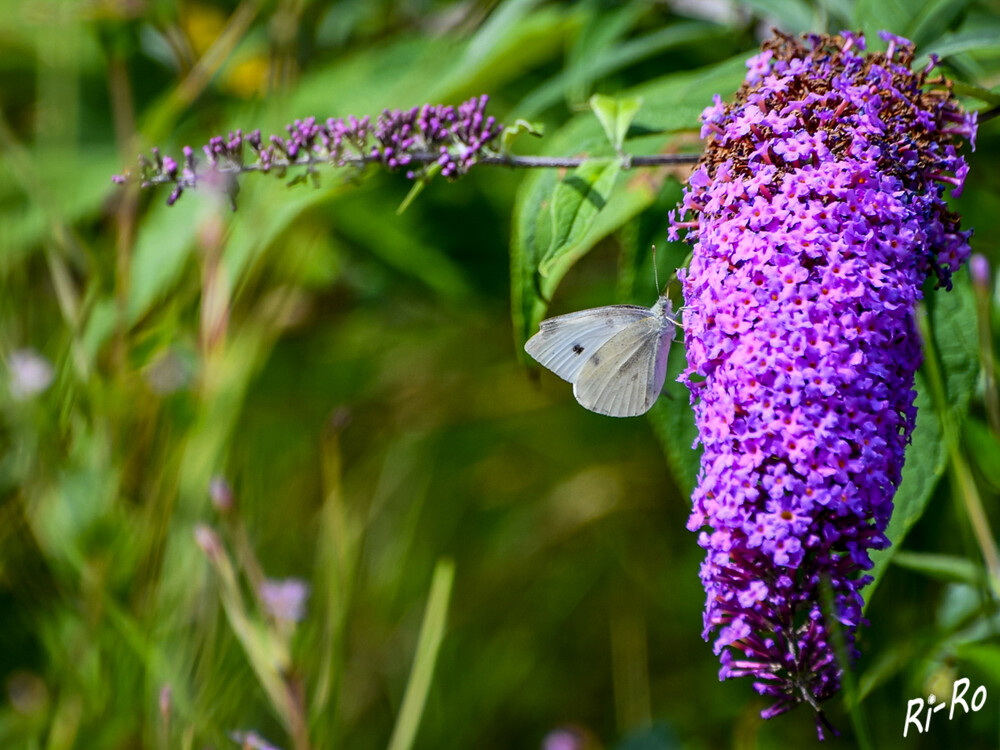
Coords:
pixel 422 672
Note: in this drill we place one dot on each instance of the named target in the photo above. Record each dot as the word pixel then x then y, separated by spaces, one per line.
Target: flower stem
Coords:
pixel 991 396
pixel 311 161
pixel 962 475
pixel 852 699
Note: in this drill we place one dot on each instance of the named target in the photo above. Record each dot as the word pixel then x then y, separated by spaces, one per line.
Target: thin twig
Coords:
pixel 311 161
pixel 989 114
pixel 628 162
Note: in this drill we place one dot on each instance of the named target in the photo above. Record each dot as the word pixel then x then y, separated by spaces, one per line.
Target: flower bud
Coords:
pixel 221 494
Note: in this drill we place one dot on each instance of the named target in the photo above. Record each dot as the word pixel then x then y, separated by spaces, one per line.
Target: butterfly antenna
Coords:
pixel 656 277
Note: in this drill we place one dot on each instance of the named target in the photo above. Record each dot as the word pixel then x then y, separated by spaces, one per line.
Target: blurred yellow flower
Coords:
pixel 247 78
pixel 202 24
pixel 246 75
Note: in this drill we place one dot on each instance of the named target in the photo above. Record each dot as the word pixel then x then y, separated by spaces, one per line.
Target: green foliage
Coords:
pixel 616 116
pixel 673 422
pixel 487 561
pixel 942 567
pixel 576 201
pixel 955 344
pixel 541 259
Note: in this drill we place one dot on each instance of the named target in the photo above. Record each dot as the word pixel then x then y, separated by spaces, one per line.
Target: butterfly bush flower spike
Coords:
pixel 816 214
pixel 451 138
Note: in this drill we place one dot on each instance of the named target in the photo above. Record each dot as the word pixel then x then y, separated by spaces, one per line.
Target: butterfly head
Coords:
pixel 664 308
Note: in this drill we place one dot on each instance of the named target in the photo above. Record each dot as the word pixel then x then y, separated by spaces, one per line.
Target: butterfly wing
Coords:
pixel 564 344
pixel 626 374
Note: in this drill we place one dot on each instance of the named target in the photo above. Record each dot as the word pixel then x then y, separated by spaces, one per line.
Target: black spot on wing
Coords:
pixel 577 349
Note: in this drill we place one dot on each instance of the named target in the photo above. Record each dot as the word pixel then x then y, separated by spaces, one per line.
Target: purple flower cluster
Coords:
pixel 430 136
pixel 816 214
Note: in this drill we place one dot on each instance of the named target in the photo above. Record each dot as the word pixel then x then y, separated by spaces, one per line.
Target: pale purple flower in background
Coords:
pixel 30 373
pixel 979 270
pixel 723 12
pixel 168 373
pixel 564 738
pixel 252 741
pixel 285 599
pixel 166 701
pixel 221 494
pixel 209 542
pixel 26 693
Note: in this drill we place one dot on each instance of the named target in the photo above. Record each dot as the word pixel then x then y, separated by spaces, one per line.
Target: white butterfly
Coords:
pixel 615 356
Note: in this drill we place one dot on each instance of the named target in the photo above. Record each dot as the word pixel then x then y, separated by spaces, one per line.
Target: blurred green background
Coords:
pixel 355 377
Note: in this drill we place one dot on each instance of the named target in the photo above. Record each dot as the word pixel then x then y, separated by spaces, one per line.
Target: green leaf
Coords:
pixel 675 102
pixel 966 616
pixel 885 665
pixel 164 245
pixel 511 132
pixel 528 236
pixel 100 326
pixel 978 92
pixel 628 259
pixel 933 18
pixel 540 34
pixel 637 279
pixel 673 422
pixel 939 567
pixel 953 317
pixel 615 115
pixel 874 16
pixel 43 188
pixel 399 73
pixel 411 69
pixel 982 37
pixel 792 16
pixel 504 19
pixel 603 30
pixel 630 52
pixel 840 12
pixel 924 466
pixel 576 202
pixel 399 243
pixel 983 450
pixel 533 227
pixel 956 339
pixel 985 656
